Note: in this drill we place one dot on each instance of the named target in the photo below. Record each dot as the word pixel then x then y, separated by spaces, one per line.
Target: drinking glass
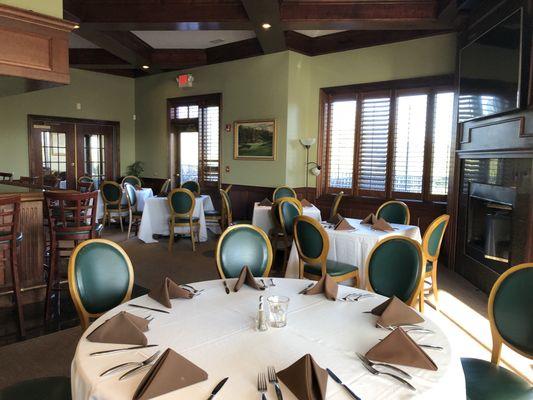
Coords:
pixel 277 307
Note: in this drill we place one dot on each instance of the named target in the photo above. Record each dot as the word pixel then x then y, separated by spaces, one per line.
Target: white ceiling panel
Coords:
pixel 191 39
pixel 316 33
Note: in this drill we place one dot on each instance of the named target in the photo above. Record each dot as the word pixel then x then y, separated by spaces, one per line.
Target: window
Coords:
pixel 392 141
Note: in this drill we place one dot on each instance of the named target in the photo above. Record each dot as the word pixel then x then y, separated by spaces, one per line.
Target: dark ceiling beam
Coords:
pixel 178 58
pixel 266 11
pixel 234 51
pixel 79 57
pixel 172 26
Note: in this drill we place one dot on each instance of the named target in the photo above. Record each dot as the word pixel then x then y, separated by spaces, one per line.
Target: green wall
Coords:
pixel 101 96
pixel 48 7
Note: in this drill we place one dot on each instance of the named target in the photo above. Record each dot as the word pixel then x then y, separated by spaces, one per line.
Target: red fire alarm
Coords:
pixel 185 80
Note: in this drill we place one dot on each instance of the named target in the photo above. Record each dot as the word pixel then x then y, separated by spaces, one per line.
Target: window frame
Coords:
pixel 428 85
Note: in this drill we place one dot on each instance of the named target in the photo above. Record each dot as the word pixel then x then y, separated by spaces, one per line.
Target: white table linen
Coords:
pixel 156 215
pixel 142 195
pixel 217 332
pixel 262 218
pixel 353 247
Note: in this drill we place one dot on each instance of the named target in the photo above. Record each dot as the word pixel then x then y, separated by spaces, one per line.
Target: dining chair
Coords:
pixel 115 204
pixel 312 243
pixel 10 239
pixel 134 215
pixel 431 244
pixel 6 176
pixel 193 186
pixel 335 205
pixel 509 310
pixel 395 267
pixel 181 203
pixel 243 245
pixel 283 191
pixel 132 180
pixel 100 277
pixel 394 212
pixel 49 388
pixel 85 184
pixel 165 188
pixel 71 217
pixel 284 210
pixel 227 213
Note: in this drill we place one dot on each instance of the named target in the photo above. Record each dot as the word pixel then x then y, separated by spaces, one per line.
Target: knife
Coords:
pixel 148 308
pixel 217 388
pixel 336 379
pixel 97 353
pixel 226 286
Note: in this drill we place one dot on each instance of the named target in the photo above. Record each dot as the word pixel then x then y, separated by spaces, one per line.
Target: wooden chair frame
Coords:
pixel 109 212
pixel 283 187
pixel 73 287
pixel 188 215
pixel 132 218
pixel 322 258
pixel 415 296
pixel 197 183
pixel 85 182
pixel 135 178
pixel 433 259
pixel 497 339
pixel 408 214
pixel 279 232
pixel 335 207
pixel 243 226
pixel 227 214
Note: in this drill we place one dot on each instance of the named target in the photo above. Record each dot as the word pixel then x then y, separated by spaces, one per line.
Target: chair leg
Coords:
pixel 16 288
pixel 171 237
pixel 50 282
pixel 192 237
pixel 434 287
pixel 356 280
pixel 129 225
pixel 421 298
pixel 120 219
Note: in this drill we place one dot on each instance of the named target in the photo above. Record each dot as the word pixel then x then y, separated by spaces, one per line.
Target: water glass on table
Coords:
pixel 277 307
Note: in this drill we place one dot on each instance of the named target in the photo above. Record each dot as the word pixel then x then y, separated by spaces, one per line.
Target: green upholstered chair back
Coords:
pixel 433 237
pixel 311 239
pixel 394 268
pixel 181 201
pixel 131 194
pixel 50 388
pixel 111 192
pixel 242 245
pixel 395 212
pixel 283 191
pixel 85 179
pixel 287 212
pixel 100 276
pixel 510 304
pixel 192 186
pixel 132 180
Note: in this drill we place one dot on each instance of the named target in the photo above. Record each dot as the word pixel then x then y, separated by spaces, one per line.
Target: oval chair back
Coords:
pixel 241 245
pixel 111 193
pixel 283 191
pixel 394 212
pixel 100 277
pixel 85 179
pixel 131 195
pixel 335 205
pixel 132 180
pixel 509 309
pixel 226 207
pixel 84 187
pixel 433 236
pixel 193 186
pixel 395 267
pixel 312 242
pixel 181 203
pixel 288 208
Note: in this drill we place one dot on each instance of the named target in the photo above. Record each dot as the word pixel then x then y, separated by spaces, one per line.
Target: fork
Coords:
pixel 140 365
pixel 304 289
pixel 365 360
pixel 273 379
pixel 374 371
pixel 192 288
pixel 406 328
pixel 121 366
pixel 272 282
pixel 356 296
pixel 262 385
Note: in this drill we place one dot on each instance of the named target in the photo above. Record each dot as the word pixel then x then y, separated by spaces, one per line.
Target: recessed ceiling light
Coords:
pixel 145 67
pixel 266 26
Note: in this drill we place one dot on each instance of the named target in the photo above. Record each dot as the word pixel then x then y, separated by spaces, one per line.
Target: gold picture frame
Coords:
pixel 255 139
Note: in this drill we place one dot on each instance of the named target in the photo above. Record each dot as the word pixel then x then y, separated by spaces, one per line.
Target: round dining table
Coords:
pixel 217 332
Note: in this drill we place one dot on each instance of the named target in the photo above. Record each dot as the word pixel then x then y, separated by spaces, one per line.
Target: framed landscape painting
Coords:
pixel 254 140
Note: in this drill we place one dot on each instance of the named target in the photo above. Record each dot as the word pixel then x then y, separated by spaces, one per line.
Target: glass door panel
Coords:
pixel 188 156
pixel 95 152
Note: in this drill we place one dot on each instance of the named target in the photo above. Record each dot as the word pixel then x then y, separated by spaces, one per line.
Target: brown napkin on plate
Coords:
pixel 169 290
pixel 170 372
pixel 394 312
pixel 123 328
pixel 344 225
pixel 246 277
pixel 399 348
pixel 265 202
pixel 382 225
pixel 306 203
pixel 335 219
pixel 326 285
pixel 370 219
pixel 305 379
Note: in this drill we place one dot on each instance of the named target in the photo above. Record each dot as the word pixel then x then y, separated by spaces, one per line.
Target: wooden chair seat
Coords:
pixel 178 220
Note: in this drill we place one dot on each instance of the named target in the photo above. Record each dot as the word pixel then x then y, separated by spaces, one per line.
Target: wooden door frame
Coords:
pixel 32 118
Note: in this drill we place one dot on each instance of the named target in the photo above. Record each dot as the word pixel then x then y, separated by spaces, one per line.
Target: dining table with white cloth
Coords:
pixel 156 214
pixel 216 331
pixel 262 218
pixel 353 246
pixel 142 194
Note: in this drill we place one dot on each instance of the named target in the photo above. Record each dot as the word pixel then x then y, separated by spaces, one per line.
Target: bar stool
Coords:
pixel 71 217
pixel 10 237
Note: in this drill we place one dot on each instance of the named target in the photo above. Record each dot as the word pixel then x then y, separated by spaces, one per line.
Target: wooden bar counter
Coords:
pixel 31 252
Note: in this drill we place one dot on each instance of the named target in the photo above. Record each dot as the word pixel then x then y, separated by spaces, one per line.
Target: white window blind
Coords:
pixel 409 143
pixel 373 143
pixel 341 143
pixel 209 143
pixel 442 141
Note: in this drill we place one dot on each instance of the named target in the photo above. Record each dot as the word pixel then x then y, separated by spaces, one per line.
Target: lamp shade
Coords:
pixel 315 171
pixel 307 142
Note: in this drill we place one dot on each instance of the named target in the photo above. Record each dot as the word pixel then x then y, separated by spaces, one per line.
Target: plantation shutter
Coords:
pixel 208 157
pixel 441 143
pixel 373 144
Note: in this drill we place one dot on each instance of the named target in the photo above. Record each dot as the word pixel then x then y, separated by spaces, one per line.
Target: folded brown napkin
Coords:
pixel 399 348
pixel 370 219
pixel 306 203
pixel 305 379
pixel 394 312
pixel 265 203
pixel 170 372
pixel 382 225
pixel 326 285
pixel 335 219
pixel 169 290
pixel 343 225
pixel 246 277
pixel 123 328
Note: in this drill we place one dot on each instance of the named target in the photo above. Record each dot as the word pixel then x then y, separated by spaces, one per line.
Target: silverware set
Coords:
pixel 113 351
pixel 406 328
pixel 137 365
pixel 366 361
pixel 273 379
pixel 226 288
pixel 149 308
pixel 192 289
pixel 338 380
pixel 262 387
pixel 374 371
pixel 352 297
pixel 305 289
pixel 269 283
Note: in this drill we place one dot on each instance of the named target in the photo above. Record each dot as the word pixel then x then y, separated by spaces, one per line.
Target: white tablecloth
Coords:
pixel 262 218
pixel 156 214
pixel 216 332
pixel 353 247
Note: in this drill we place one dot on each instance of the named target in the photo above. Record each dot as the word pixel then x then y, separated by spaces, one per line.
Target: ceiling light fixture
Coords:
pixel 145 67
pixel 266 26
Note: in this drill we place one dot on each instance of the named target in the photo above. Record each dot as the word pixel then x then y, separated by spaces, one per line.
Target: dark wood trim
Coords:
pixel 428 147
